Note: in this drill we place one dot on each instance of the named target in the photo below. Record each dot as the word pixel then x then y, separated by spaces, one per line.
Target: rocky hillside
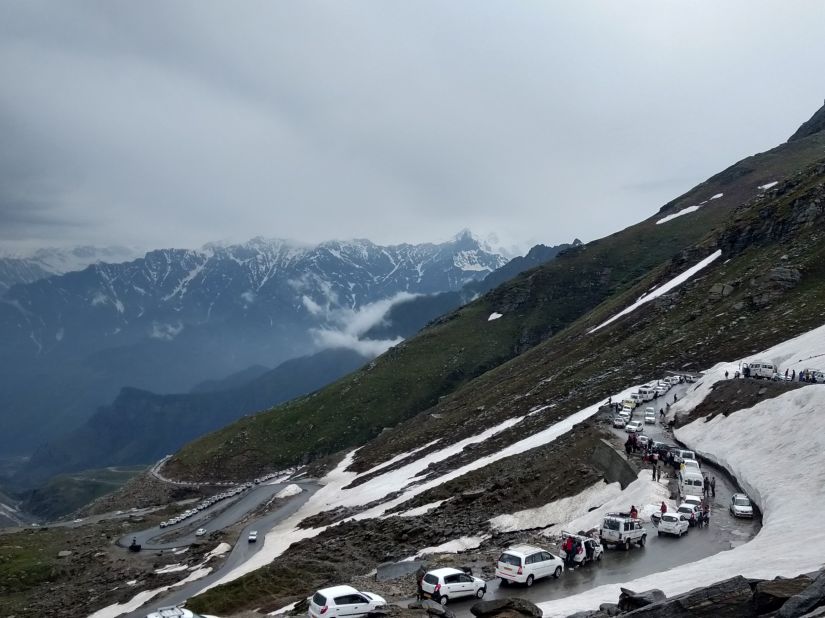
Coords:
pixel 762 283
pixel 460 361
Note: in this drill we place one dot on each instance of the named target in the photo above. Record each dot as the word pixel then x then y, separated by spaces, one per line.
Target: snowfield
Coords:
pixel 684 211
pixel 289 491
pixel 663 289
pixel 782 473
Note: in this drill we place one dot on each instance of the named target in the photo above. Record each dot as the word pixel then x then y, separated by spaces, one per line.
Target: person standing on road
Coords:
pixel 707 485
pixel 663 508
pixel 713 486
pixel 793 375
pixel 419 578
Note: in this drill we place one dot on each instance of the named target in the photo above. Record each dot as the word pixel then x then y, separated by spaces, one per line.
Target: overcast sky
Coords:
pixel 174 123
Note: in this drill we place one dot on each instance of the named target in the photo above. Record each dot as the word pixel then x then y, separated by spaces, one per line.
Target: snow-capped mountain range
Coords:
pixel 174 317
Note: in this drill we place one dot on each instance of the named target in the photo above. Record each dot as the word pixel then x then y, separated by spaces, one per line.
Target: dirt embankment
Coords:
pixel 728 396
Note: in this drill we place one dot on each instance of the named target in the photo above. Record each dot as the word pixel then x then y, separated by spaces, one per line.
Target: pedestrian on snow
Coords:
pixel 786 374
pixel 658 473
pixel 736 374
pixel 634 514
pixel 668 407
pixel 713 486
pixel 674 397
pixel 726 374
pixel 793 375
pixel 662 413
pixel 627 446
pixel 663 508
pixel 653 471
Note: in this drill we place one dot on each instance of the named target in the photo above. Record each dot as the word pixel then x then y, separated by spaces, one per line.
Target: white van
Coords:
pixel 761 369
pixel 691 483
pixel 647 393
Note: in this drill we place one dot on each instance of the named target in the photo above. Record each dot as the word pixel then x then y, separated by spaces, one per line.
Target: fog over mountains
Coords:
pixel 169 320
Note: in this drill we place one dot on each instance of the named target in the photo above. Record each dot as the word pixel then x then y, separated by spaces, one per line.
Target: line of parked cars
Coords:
pixel 229 493
pixel 645 393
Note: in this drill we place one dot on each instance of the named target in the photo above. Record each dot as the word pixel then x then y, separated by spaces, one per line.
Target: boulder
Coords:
pixel 610 609
pixel 436 609
pixel 630 600
pixel 806 601
pixel 771 595
pixel 506 607
pixel 731 598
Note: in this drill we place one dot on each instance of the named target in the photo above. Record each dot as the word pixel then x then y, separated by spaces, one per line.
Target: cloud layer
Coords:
pixel 158 123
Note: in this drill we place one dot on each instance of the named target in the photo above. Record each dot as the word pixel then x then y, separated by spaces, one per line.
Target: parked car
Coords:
pixel 692 464
pixel 253 536
pixel 650 416
pixel 661 448
pixel 661 388
pixel 690 512
pixel 760 369
pixel 643 440
pixel 443 585
pixel 626 414
pixel 174 612
pixel 343 601
pixel 634 427
pixel 680 454
pixel 672 523
pixel 589 549
pixel 163 524
pixel 621 530
pixel 524 564
pixel 647 392
pixel 694 500
pixel 629 403
pixel 740 506
pixel 619 422
pixel 200 531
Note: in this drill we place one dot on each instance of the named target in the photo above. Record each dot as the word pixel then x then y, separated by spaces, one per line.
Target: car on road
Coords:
pixel 690 512
pixel 524 564
pixel 680 455
pixel 588 549
pixel 253 537
pixel 661 388
pixel 634 427
pixel 200 531
pixel 622 530
pixel 693 465
pixel 619 422
pixel 446 584
pixel 163 524
pixel 626 414
pixel 643 440
pixel 175 612
pixel 343 601
pixel 650 416
pixel 674 524
pixel 740 506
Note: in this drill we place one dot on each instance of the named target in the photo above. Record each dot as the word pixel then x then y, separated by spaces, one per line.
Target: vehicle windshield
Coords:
pixel 670 518
pixel 742 502
pixel 685 509
pixel 611 524
pixel 510 559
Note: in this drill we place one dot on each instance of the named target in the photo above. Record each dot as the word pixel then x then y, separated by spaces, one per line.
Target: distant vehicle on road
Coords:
pixel 690 512
pixel 175 612
pixel 650 416
pixel 760 369
pixel 340 601
pixel 740 506
pixel 673 524
pixel 253 536
pixel 200 531
pixel 634 427
pixel 443 585
pixel 619 422
pixel 621 530
pixel 524 564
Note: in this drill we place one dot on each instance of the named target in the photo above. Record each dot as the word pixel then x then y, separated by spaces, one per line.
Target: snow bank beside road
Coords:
pixel 289 491
pixel 783 473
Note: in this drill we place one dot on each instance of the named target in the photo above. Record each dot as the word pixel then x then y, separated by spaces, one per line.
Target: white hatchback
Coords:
pixel 343 601
pixel 674 524
pixel 524 564
pixel 634 427
pixel 444 585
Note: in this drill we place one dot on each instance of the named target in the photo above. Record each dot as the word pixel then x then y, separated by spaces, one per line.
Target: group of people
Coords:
pixel 709 486
pixel 804 376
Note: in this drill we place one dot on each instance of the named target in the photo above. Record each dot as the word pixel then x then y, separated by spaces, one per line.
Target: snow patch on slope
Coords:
pixel 663 289
pixel 495 316
pixel 684 211
pixel 768 185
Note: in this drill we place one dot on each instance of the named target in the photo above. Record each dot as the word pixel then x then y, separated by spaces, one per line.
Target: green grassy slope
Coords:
pixel 463 346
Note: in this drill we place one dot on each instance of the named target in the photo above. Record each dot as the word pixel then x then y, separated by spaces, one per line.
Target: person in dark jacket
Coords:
pixel 713 486
pixel 419 579
pixel 663 508
pixel 634 514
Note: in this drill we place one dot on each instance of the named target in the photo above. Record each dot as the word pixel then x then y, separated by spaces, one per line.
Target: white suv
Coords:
pixel 621 530
pixel 343 601
pixel 740 506
pixel 443 585
pixel 587 549
pixel 524 564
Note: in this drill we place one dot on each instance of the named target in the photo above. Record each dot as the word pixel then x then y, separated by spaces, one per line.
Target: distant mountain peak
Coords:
pixel 814 124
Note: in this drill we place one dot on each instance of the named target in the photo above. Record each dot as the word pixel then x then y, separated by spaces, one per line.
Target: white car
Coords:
pixel 689 512
pixel 524 564
pixel 253 536
pixel 661 389
pixel 163 524
pixel 200 531
pixel 650 416
pixel 634 427
pixel 619 422
pixel 443 585
pixel 694 500
pixel 673 523
pixel 692 464
pixel 626 414
pixel 175 612
pixel 343 601
pixel 643 440
pixel 587 548
pixel 740 506
pixel 622 530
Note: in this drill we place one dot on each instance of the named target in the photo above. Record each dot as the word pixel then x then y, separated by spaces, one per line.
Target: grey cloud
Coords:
pixel 160 123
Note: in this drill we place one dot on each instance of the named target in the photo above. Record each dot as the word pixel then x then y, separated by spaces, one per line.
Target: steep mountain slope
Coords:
pixel 464 345
pixel 502 435
pixel 173 317
pixel 140 427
